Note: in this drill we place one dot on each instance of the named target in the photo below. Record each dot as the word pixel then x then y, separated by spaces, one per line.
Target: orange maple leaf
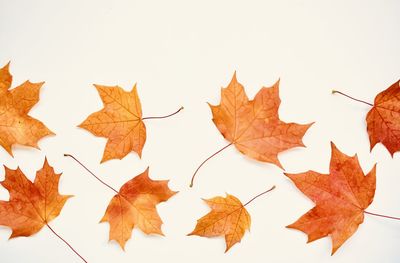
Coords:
pixel 340 197
pixel 134 205
pixel 31 205
pixel 253 126
pixel 228 217
pixel 17 127
pixel 383 120
pixel 120 121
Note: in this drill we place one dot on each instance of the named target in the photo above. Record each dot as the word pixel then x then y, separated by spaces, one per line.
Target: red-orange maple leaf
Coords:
pixel 32 205
pixel 383 120
pixel 16 126
pixel 340 197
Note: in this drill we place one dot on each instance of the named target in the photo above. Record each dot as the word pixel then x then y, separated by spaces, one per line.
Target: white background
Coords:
pixel 181 53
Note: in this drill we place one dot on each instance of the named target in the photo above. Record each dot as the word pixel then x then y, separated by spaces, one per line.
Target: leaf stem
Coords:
pixel 251 200
pixel 62 239
pixel 341 93
pixel 211 156
pixel 390 217
pixel 162 117
pixel 101 181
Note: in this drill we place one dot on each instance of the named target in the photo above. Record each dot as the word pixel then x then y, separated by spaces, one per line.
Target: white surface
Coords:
pixel 181 53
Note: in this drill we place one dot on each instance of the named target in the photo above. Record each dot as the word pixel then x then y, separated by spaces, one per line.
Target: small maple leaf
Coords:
pixel 340 197
pixel 17 127
pixel 134 205
pixel 253 126
pixel 228 217
pixel 383 120
pixel 120 121
pixel 31 205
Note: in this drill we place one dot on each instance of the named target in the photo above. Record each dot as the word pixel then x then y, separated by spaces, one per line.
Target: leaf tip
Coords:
pixel 7 66
pixel 45 162
pixel 234 78
pixel 333 146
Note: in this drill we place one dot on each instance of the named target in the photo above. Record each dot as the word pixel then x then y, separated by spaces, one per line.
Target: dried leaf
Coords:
pixel 31 205
pixel 120 121
pixel 340 197
pixel 17 127
pixel 135 206
pixel 253 126
pixel 383 120
pixel 228 217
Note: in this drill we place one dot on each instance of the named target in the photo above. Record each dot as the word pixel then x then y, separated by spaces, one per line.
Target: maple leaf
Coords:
pixel 17 127
pixel 340 197
pixel 228 217
pixel 253 126
pixel 120 121
pixel 31 205
pixel 134 205
pixel 383 120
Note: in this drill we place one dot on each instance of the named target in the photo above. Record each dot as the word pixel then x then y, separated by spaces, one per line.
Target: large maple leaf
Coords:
pixel 340 197
pixel 228 217
pixel 16 126
pixel 383 120
pixel 253 126
pixel 134 205
pixel 120 121
pixel 31 205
